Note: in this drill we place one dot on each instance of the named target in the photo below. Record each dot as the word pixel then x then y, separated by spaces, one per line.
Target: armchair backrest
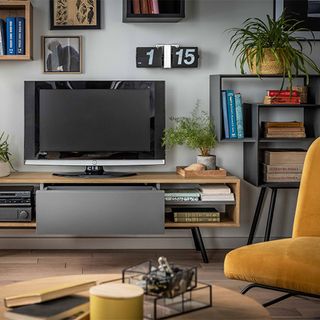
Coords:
pixel 307 217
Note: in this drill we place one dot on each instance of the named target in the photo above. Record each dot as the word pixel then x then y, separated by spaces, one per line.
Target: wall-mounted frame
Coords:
pixel 71 14
pixel 303 10
pixel 62 54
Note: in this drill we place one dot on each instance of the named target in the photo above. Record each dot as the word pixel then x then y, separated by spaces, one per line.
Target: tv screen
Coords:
pixel 94 122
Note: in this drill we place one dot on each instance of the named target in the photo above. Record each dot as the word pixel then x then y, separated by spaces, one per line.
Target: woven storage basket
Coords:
pixel 269 65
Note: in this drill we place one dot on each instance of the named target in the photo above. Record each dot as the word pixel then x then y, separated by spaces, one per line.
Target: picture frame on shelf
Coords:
pixel 62 54
pixel 72 14
pixel 304 10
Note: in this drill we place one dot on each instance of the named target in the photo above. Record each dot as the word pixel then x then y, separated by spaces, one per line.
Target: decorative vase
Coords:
pixel 4 169
pixel 208 161
pixel 269 64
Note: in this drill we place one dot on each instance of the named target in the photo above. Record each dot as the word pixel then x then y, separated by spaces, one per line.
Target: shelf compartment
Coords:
pixel 19 8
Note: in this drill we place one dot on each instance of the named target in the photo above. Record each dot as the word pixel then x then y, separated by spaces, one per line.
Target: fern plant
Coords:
pixel 196 132
pixel 4 149
pixel 249 44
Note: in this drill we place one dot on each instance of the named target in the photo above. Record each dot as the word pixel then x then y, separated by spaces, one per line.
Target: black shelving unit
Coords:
pixel 170 11
pixel 254 143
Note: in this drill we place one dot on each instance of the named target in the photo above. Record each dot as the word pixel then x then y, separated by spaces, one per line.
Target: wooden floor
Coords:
pixel 30 264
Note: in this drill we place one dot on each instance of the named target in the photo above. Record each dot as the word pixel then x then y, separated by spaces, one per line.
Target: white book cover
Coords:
pixel 215 189
pixel 217 197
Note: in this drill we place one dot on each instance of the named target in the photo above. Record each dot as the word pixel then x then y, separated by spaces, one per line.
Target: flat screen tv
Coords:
pixel 94 123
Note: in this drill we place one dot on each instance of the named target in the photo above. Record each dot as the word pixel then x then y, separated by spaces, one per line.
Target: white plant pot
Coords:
pixel 208 161
pixel 4 169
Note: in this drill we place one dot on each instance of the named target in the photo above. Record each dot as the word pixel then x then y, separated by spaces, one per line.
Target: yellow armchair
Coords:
pixel 288 265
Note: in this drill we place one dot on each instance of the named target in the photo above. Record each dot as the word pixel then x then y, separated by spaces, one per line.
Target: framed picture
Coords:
pixel 75 14
pixel 307 11
pixel 62 54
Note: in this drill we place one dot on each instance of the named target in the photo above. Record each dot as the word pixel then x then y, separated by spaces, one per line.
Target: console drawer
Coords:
pixel 100 211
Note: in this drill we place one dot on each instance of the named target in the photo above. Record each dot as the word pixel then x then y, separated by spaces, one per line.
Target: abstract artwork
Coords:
pixel 75 14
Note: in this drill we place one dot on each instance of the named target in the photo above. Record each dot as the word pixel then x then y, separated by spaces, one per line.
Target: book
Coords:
pixel 281 100
pixel 282 177
pixel 20 35
pixel 3 49
pixel 225 113
pixel 196 213
pixel 182 193
pixel 144 6
pixel 232 114
pixel 47 294
pixel 201 220
pixel 276 157
pixel 215 189
pixel 11 35
pixel 154 6
pixel 239 115
pixel 217 197
pixel 283 93
pixel 177 198
pixel 136 6
pixel 290 124
pixel 285 134
pixel 284 129
pixel 56 309
pixel 288 168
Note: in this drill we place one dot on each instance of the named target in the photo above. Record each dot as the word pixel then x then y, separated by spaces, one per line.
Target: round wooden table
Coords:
pixel 227 304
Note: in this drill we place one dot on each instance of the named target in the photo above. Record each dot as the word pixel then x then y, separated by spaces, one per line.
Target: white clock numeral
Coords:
pixel 151 55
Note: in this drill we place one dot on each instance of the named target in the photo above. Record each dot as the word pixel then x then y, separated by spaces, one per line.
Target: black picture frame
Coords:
pixel 54 26
pixel 303 10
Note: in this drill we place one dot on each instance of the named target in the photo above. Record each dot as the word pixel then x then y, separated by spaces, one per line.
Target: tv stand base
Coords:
pixel 95 172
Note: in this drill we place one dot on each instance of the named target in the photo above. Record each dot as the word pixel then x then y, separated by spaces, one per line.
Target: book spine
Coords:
pixel 286 135
pixel 232 114
pixel 136 6
pixel 155 7
pixel 282 169
pixel 11 36
pixel 282 177
pixel 203 220
pixel 196 214
pixel 239 115
pixel 2 38
pixel 182 199
pixel 225 113
pixel 283 93
pixel 20 36
pixel 292 124
pixel 285 129
pixel 144 6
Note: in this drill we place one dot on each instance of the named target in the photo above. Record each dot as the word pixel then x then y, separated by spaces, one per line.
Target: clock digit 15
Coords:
pixel 184 57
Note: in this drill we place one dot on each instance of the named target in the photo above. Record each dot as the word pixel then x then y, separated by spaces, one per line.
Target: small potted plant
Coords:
pixel 272 47
pixel 5 163
pixel 196 132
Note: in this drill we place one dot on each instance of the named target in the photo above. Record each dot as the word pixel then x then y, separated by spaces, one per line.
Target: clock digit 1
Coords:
pixel 151 55
pixel 179 53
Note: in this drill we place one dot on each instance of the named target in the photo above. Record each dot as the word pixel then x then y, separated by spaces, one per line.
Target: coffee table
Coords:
pixel 227 304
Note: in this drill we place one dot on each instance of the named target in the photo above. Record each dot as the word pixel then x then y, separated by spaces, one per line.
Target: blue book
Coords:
pixel 225 113
pixel 3 50
pixel 239 115
pixel 20 35
pixel 11 35
pixel 232 114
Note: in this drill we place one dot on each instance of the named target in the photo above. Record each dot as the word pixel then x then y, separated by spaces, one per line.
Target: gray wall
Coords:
pixel 110 54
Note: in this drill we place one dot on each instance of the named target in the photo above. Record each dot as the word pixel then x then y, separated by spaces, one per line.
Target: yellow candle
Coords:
pixel 116 301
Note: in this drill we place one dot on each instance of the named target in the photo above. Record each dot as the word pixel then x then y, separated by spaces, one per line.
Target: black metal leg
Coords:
pixel 276 300
pixel 247 288
pixel 270 214
pixel 195 239
pixel 201 245
pixel 256 215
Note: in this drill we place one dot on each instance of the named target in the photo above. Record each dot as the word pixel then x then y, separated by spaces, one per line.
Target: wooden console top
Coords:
pixel 145 177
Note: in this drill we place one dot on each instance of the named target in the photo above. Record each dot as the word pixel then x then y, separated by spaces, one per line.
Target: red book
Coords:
pixel 283 93
pixel 154 6
pixel 136 6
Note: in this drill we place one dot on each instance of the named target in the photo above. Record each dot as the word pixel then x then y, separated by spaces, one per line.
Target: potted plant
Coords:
pixel 272 47
pixel 5 163
pixel 196 132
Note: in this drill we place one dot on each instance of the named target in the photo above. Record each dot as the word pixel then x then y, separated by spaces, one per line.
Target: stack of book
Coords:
pixel 145 6
pixel 283 165
pixel 199 215
pixel 12 36
pixel 282 97
pixel 291 129
pixel 216 192
pixel 182 195
pixel 233 115
pixel 56 302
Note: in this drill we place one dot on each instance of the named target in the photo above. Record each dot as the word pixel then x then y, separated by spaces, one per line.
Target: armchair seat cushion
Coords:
pixel 289 263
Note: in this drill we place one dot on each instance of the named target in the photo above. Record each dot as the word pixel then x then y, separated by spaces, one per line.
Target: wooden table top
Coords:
pixel 145 177
pixel 227 304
